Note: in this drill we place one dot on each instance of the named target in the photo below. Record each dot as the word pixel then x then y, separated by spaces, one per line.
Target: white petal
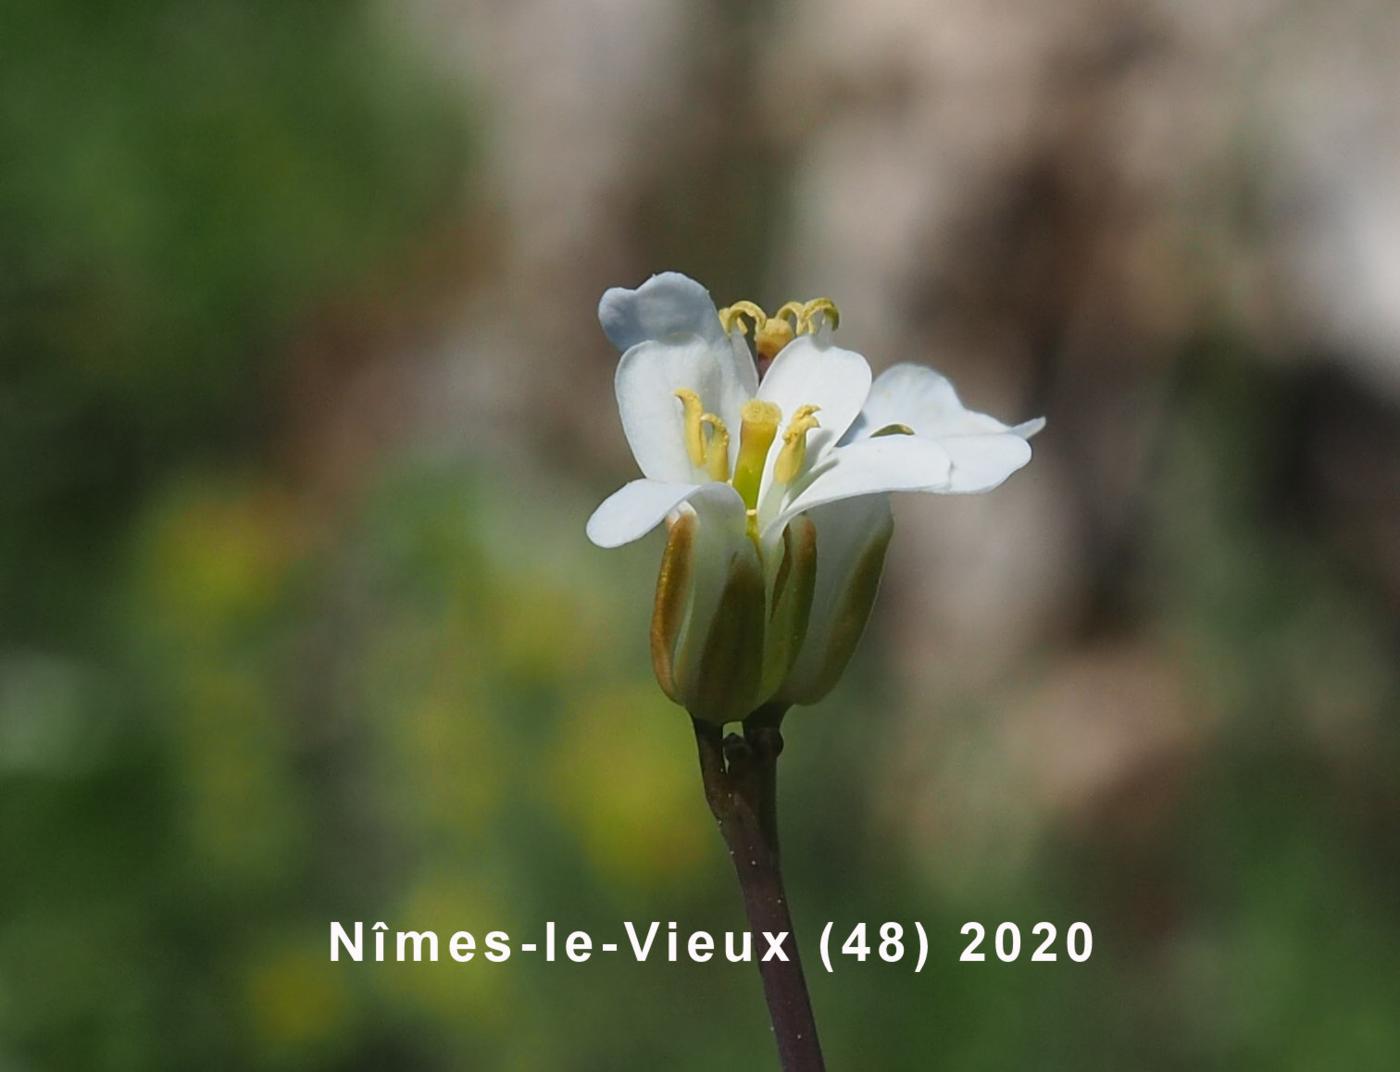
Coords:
pixel 666 306
pixel 745 371
pixel 648 377
pixel 885 463
pixel 925 401
pixel 981 462
pixel 634 510
pixel 1026 429
pixel 811 371
pixel 720 505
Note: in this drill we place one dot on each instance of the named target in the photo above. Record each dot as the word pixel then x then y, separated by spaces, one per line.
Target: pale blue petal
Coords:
pixel 667 306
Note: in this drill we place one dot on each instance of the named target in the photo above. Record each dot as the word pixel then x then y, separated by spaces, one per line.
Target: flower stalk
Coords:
pixel 739 774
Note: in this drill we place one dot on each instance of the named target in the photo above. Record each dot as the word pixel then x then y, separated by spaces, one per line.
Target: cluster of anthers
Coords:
pixel 707 438
pixel 772 333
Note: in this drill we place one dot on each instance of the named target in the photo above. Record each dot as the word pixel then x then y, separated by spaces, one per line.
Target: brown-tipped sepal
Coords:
pixel 673 585
pixel 789 601
pixel 852 537
pixel 707 625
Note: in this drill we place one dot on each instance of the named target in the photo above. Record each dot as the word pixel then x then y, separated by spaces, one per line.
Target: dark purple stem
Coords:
pixel 740 778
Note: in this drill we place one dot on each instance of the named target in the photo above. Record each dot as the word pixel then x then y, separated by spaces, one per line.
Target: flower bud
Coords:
pixel 708 622
pixel 851 539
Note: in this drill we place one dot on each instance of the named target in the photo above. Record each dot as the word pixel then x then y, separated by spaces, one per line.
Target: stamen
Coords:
pixel 794 451
pixel 730 314
pixel 756 434
pixel 716 448
pixel 790 311
pixel 814 312
pixel 772 333
pixel 694 435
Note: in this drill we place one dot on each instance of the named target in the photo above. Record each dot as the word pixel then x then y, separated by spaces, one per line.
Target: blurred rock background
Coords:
pixel 304 405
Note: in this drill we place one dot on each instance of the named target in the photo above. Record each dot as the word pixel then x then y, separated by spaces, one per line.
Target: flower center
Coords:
pixel 707 444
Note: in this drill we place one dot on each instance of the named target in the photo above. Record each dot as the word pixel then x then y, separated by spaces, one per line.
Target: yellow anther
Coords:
pixel 756 434
pixel 694 433
pixel 716 448
pixel 824 308
pixel 790 311
pixel 731 313
pixel 794 451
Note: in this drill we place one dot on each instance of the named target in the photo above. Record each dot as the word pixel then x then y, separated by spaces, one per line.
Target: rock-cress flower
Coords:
pixel 774 490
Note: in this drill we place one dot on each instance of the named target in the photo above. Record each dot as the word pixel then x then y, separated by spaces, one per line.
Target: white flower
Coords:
pixel 734 461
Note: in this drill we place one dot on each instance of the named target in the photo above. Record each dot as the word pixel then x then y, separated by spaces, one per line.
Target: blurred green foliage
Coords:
pixel 179 181
pixel 227 718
